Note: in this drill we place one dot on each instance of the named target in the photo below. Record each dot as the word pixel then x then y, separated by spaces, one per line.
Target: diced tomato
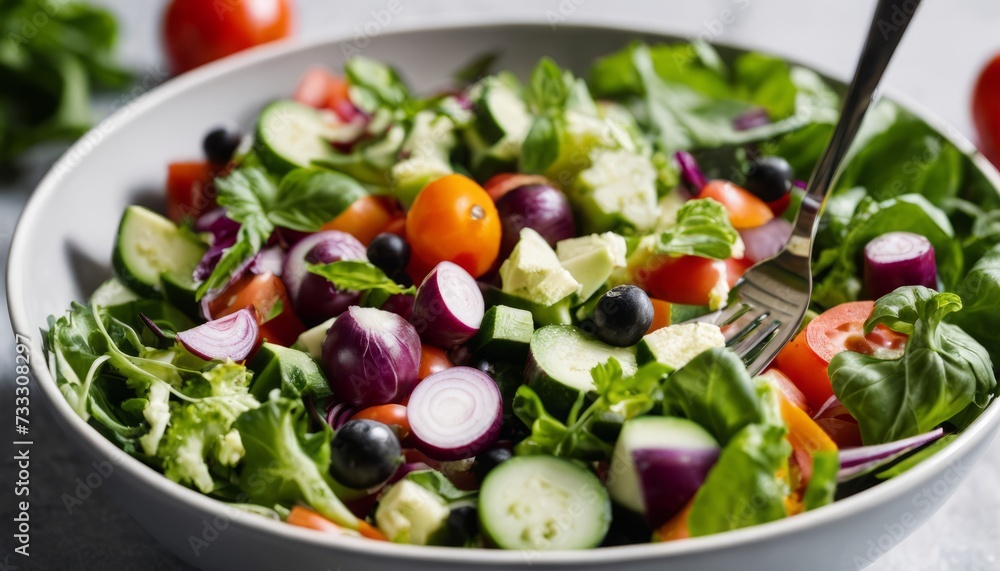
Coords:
pixel 744 208
pixel 806 358
pixel 501 184
pixel 392 415
pixel 787 388
pixel 364 219
pixel 676 527
pixel 307 518
pixel 432 360
pixel 322 89
pixel 686 279
pixel 189 189
pixel 735 268
pixel 661 314
pixel 267 294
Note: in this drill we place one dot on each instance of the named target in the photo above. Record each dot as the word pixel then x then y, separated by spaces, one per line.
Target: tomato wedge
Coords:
pixel 391 415
pixel 744 208
pixel 687 280
pixel 189 189
pixel 321 89
pixel 661 314
pixel 806 358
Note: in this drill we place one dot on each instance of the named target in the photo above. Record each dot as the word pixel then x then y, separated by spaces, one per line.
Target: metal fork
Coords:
pixel 767 306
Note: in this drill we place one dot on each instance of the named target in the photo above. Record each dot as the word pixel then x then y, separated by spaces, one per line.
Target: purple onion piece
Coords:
pixel 400 304
pixel 270 260
pixel 830 403
pixel 316 299
pixel 765 241
pixel 156 328
pixel 371 357
pixel 455 413
pixel 757 117
pixel 338 414
pixel 690 172
pixel 863 459
pixel 543 208
pixel 231 337
pixel 800 184
pixel 669 478
pixel 897 259
pixel 449 306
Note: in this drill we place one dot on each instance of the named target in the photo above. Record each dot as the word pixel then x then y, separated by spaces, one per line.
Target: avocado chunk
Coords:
pixel 533 272
pixel 592 259
pixel 617 190
pixel 675 345
pixel 311 340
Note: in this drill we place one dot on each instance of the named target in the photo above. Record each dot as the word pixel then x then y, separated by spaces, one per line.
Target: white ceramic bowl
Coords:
pixel 62 246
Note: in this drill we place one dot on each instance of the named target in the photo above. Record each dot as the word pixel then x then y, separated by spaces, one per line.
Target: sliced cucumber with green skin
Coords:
pixel 292 135
pixel 112 292
pixel 149 246
pixel 504 333
pixel 555 314
pixel 679 313
pixel 559 364
pixel 179 290
pixel 500 112
pixel 543 503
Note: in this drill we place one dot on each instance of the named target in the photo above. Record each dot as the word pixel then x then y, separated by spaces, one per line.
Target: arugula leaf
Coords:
pixel 702 229
pixel 355 275
pixel 823 483
pixel 715 391
pixel 285 464
pixel 741 489
pixel 942 371
pixel 308 198
pixel 980 293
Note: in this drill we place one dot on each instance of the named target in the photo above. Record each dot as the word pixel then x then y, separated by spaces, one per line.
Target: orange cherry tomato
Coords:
pixel 196 32
pixel 364 219
pixel 432 360
pixel 500 184
pixel 263 292
pixel 807 357
pixel 392 415
pixel 745 210
pixel 687 279
pixel 189 189
pixel 397 227
pixel 661 314
pixel 454 219
pixel 986 110
pixel 304 517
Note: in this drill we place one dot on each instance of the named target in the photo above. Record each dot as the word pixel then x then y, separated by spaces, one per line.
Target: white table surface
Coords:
pixel 936 65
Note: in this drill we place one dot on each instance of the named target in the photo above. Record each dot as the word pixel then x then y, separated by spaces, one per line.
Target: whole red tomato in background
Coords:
pixel 196 32
pixel 986 110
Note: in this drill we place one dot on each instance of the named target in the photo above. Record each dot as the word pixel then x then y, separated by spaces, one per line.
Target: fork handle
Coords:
pixel 888 24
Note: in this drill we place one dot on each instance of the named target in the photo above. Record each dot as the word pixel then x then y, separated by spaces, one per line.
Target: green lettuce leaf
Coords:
pixel 702 229
pixel 823 483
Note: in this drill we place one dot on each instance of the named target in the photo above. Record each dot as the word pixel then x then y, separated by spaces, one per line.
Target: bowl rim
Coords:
pixel 981 429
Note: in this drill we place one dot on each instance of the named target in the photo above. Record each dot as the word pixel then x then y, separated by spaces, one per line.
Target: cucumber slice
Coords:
pixel 504 333
pixel 557 313
pixel 500 112
pixel 111 293
pixel 292 135
pixel 561 357
pixel 543 503
pixel 149 246
pixel 179 290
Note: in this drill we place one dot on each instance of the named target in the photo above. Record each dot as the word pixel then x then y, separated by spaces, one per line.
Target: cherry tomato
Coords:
pixel 745 209
pixel 661 314
pixel 196 32
pixel 501 184
pixel 364 219
pixel 322 89
pixel 986 109
pixel 263 292
pixel 391 415
pixel 432 360
pixel 454 219
pixel 688 279
pixel 806 358
pixel 189 191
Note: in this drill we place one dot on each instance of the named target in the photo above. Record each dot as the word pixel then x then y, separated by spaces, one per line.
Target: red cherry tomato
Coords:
pixel 189 191
pixel 806 358
pixel 687 280
pixel 735 268
pixel 744 208
pixel 196 32
pixel 432 360
pixel 323 90
pixel 392 415
pixel 986 109
pixel 263 292
pixel 501 184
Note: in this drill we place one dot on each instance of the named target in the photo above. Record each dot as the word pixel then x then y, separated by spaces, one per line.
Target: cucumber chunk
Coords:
pixel 292 135
pixel 543 503
pixel 149 246
pixel 560 363
pixel 500 112
pixel 504 333
pixel 112 292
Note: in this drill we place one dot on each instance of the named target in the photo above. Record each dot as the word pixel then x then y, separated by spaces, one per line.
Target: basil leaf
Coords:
pixel 308 198
pixel 541 146
pixel 980 292
pixel 702 229
pixel 354 275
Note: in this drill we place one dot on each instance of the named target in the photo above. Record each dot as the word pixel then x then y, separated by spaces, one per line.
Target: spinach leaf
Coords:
pixel 715 391
pixel 942 371
pixel 702 229
pixel 286 464
pixel 741 489
pixel 980 293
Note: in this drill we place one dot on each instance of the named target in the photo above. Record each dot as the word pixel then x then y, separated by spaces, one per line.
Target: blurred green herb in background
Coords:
pixel 53 53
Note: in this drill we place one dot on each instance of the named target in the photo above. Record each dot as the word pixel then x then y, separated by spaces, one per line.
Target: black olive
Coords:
pixel 769 178
pixel 390 253
pixel 623 315
pixel 220 143
pixel 464 521
pixel 489 460
pixel 364 453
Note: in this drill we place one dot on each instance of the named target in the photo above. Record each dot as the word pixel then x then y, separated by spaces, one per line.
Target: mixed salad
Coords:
pixel 463 319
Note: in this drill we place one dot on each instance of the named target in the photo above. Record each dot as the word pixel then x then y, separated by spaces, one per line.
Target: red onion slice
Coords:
pixel 338 414
pixel 860 460
pixel 449 306
pixel 897 259
pixel 231 337
pixel 757 117
pixel 765 241
pixel 455 413
pixel 690 172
